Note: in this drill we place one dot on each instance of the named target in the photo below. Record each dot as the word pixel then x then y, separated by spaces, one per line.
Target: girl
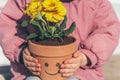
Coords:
pixel 97 33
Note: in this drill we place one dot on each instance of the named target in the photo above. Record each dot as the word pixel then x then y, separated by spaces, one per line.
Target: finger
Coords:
pixel 74 59
pixel 32 64
pixel 68 66
pixel 34 69
pixel 29 58
pixel 27 52
pixel 65 71
pixel 36 73
pixel 75 54
pixel 67 74
pixel 70 61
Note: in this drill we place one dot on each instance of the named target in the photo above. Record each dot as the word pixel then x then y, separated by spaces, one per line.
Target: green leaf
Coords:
pixel 38 16
pixel 70 30
pixel 31 36
pixel 25 23
pixel 47 35
pixel 58 36
pixel 63 24
pixel 37 24
pixel 52 30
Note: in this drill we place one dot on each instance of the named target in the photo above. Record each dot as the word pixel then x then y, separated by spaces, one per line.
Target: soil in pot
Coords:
pixel 54 42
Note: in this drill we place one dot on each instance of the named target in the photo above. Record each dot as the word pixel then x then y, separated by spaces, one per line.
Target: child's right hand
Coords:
pixel 31 63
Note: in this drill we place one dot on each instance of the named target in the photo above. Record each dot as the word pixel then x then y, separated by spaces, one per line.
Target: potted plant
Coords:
pixel 50 43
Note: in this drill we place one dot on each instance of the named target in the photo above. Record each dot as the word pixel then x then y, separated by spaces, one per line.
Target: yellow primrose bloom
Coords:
pixel 51 4
pixel 33 8
pixel 54 10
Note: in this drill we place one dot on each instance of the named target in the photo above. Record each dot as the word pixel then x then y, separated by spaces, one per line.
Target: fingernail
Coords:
pixel 36 61
pixel 61 71
pixel 61 66
pixel 39 65
pixel 39 69
pixel 65 62
pixel 38 73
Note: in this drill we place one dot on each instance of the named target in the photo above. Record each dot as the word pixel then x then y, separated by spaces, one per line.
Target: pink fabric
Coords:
pixel 97 33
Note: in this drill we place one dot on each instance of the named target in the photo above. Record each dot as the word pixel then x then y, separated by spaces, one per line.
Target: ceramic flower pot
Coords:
pixel 50 57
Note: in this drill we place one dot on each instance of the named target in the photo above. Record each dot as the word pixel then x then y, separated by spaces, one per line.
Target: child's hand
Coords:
pixel 31 63
pixel 71 65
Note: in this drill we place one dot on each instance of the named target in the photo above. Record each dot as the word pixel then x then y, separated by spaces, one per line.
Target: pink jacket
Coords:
pixel 97 33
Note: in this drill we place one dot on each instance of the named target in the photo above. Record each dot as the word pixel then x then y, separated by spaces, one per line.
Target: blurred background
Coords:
pixel 111 69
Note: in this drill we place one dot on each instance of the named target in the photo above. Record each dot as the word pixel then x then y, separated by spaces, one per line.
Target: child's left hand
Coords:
pixel 71 65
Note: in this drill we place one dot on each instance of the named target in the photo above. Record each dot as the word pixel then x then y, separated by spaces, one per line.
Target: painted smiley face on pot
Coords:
pixel 50 73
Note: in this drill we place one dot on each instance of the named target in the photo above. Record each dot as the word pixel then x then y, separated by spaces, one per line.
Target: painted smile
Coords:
pixel 51 73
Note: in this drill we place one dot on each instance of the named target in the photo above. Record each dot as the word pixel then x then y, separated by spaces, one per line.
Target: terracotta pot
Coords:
pixel 50 57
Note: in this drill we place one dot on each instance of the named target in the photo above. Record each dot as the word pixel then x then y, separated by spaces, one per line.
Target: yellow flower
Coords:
pixel 33 8
pixel 54 10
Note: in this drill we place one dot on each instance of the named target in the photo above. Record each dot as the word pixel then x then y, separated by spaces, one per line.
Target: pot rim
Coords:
pixel 52 51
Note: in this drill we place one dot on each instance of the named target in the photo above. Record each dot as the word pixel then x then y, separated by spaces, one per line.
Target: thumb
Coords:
pixel 75 55
pixel 26 51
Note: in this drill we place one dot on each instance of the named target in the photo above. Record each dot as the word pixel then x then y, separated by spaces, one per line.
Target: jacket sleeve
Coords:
pixel 9 41
pixel 101 43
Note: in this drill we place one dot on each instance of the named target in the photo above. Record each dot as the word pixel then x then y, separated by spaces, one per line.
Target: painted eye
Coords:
pixel 46 64
pixel 57 64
